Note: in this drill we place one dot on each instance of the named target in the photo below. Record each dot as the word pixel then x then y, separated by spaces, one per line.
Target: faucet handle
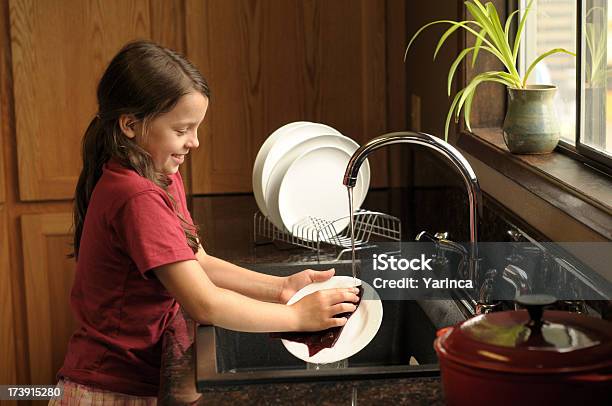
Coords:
pixel 442 235
pixel 514 235
pixel 426 236
pixel 439 257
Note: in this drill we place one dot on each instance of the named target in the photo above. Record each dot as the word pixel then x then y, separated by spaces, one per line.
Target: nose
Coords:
pixel 193 141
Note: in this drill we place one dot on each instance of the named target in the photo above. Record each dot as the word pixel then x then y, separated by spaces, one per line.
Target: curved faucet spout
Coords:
pixel 447 151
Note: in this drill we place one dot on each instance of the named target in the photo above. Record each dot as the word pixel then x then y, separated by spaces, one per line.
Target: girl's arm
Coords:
pixel 233 277
pixel 254 284
pixel 205 303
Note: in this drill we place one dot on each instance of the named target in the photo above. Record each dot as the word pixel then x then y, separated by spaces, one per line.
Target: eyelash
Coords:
pixel 182 132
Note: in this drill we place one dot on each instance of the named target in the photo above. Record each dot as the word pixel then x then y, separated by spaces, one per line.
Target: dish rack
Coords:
pixel 314 233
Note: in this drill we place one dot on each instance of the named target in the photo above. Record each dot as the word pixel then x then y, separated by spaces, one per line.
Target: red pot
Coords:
pixel 510 358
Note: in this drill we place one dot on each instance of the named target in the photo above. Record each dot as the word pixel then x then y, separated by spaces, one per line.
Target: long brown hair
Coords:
pixel 146 80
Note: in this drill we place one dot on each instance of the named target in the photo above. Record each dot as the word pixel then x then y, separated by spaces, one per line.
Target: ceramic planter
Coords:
pixel 531 125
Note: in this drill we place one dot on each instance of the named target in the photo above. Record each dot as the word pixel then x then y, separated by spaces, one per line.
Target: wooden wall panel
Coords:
pixel 2 182
pixel 489 105
pixel 219 36
pixel 55 79
pixel 8 371
pixel 397 110
pixel 48 277
pixel 4 108
pixel 350 81
pixel 167 26
pixel 426 86
pixel 374 84
pixel 272 62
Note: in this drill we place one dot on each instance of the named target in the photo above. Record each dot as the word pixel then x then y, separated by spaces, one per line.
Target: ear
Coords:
pixel 127 123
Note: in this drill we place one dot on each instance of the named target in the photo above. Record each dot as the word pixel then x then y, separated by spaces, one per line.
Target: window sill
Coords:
pixel 582 193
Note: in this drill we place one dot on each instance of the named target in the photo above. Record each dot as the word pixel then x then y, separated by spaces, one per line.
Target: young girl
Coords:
pixel 137 250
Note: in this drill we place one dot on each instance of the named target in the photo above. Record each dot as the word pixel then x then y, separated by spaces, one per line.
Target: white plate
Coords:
pixel 289 140
pixel 307 182
pixel 278 144
pixel 359 330
pixel 258 167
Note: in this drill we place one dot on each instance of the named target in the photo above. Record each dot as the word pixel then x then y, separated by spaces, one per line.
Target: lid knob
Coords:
pixel 535 305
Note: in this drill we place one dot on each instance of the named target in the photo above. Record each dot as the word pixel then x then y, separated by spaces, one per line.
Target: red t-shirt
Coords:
pixel 130 228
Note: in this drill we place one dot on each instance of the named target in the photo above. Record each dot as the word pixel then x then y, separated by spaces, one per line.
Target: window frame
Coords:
pixel 581 148
pixel 580 151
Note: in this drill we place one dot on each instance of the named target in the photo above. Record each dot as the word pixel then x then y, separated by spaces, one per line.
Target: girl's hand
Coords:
pixel 315 312
pixel 297 281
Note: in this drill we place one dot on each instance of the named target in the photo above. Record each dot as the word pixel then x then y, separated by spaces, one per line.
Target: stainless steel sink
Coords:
pixel 225 358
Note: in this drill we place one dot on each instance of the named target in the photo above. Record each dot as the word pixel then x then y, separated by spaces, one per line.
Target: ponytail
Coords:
pixel 94 156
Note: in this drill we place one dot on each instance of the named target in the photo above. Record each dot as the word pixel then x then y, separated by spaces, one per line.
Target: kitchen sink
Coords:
pixel 402 346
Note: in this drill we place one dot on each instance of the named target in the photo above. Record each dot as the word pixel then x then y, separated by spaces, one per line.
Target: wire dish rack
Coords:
pixel 315 233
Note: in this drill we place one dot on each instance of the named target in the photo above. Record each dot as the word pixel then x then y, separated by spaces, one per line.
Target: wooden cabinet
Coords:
pixel 48 277
pixel 56 68
pixel 8 371
pixel 2 185
pixel 268 63
pixel 273 62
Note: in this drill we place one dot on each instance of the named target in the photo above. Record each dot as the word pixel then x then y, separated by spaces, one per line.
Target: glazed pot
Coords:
pixel 531 125
pixel 525 357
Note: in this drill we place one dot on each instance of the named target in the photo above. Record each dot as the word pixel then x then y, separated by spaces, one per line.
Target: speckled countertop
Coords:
pixel 178 383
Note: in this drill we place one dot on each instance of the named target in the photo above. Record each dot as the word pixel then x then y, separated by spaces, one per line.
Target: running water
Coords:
pixel 352 225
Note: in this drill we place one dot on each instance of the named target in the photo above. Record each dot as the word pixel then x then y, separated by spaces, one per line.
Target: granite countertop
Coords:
pixel 178 383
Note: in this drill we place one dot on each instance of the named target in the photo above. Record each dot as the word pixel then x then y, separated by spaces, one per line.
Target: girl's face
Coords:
pixel 173 134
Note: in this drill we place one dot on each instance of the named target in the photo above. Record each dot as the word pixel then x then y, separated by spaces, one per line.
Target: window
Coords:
pixel 584 96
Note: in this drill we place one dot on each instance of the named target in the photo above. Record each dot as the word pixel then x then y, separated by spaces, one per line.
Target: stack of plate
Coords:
pixel 298 173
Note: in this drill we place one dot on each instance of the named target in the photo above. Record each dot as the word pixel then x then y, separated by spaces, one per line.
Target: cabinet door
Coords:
pixel 55 80
pixel 48 273
pixel 7 331
pixel 269 63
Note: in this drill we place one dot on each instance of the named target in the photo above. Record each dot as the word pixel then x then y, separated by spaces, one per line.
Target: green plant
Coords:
pixel 490 37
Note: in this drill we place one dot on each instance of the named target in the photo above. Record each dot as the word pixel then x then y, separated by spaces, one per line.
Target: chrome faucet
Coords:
pixel 443 244
pixel 451 154
pixel 518 279
pixel 514 276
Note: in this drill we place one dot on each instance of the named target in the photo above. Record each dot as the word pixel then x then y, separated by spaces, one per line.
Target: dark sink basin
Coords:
pixel 402 346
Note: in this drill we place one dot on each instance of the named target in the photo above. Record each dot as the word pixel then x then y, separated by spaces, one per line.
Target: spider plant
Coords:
pixel 492 37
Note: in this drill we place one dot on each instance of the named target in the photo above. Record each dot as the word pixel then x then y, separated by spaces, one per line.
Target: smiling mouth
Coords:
pixel 179 158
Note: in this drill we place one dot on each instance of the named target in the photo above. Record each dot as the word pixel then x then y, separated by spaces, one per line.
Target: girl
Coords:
pixel 137 250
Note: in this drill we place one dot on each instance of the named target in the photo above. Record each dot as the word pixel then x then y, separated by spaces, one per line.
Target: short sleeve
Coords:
pixel 150 232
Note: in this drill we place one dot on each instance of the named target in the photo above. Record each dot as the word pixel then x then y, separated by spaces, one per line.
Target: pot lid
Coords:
pixel 531 340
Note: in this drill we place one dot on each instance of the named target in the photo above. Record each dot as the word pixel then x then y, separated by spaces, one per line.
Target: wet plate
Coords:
pixel 360 329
